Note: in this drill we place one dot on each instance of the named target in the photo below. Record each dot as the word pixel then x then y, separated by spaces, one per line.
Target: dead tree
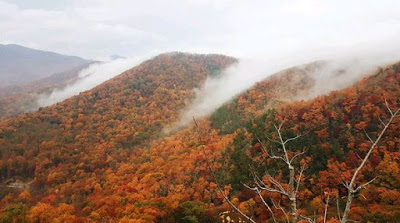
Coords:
pixel 288 157
pixel 351 188
pixel 277 187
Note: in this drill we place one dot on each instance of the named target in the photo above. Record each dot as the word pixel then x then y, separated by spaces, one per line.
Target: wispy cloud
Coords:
pixel 90 77
pixel 96 28
pixel 343 68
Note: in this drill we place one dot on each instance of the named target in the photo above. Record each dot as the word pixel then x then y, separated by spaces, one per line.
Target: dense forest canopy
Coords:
pixel 101 156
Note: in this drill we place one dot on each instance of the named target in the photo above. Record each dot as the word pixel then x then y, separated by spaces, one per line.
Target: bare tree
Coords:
pixel 275 186
pixel 351 187
pixel 269 184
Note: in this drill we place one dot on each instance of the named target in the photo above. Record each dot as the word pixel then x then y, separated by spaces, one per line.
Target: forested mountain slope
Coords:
pixel 21 98
pixel 335 131
pixel 120 113
pixel 103 157
pixel 98 130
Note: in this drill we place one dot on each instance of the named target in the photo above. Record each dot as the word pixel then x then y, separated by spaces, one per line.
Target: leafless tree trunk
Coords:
pixel 277 187
pixel 292 194
pixel 326 206
pixel 352 190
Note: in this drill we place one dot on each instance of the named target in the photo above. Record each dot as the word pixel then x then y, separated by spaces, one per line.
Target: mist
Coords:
pixel 341 73
pixel 341 68
pixel 89 78
pixel 266 36
pixel 219 89
pixel 344 66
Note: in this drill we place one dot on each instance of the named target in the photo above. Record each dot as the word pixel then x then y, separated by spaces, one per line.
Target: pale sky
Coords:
pixel 96 29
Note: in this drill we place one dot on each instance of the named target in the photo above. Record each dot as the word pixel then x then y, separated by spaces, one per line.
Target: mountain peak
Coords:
pixel 116 57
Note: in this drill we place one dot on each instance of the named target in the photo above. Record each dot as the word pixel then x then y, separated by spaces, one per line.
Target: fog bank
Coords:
pixel 89 78
pixel 343 68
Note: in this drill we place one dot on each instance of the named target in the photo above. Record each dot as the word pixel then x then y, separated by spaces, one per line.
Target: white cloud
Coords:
pixel 344 67
pixel 90 77
pixel 280 33
pixel 305 7
pixel 99 28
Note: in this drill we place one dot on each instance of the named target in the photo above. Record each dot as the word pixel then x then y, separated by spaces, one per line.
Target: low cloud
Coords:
pixel 219 89
pixel 89 78
pixel 343 67
pixel 340 73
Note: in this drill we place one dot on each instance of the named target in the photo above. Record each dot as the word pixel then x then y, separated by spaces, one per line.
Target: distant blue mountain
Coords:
pixel 116 57
pixel 19 64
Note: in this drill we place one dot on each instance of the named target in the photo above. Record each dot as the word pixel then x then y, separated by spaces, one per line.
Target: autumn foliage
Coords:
pixel 101 156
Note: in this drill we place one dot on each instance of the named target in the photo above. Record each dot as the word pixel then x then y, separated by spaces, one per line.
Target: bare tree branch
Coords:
pixel 293 138
pixel 338 208
pixel 382 122
pixel 363 196
pixel 388 107
pixel 307 218
pixel 372 141
pixel 278 206
pixel 278 129
pixel 350 186
pixel 273 140
pixel 276 183
pixel 299 179
pixel 346 185
pixel 272 156
pixel 326 207
pixel 265 203
pixel 262 199
pixel 359 157
pixel 286 156
pixel 297 154
pixel 261 185
pixel 364 185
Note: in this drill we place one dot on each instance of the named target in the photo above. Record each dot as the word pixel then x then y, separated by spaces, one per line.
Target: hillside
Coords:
pixel 20 64
pixel 282 87
pixel 334 140
pixel 128 107
pixel 21 98
pixel 103 157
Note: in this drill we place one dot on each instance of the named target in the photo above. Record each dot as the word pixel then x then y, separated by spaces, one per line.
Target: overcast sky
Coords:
pixel 95 29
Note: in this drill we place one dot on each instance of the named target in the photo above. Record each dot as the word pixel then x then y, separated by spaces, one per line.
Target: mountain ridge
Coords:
pixel 19 64
pixel 103 158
